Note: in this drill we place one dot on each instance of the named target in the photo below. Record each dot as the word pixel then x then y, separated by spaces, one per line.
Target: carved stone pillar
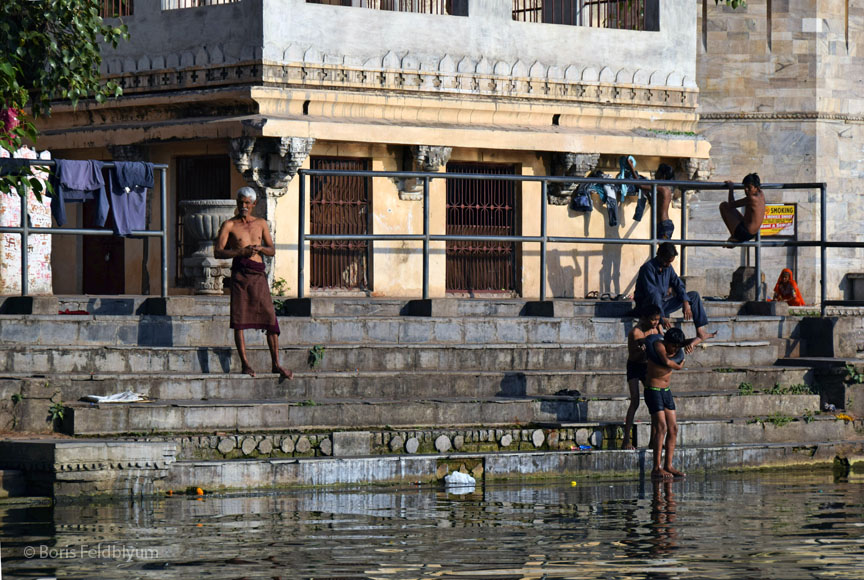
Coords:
pixel 138 153
pixel 421 158
pixel 694 169
pixel 569 165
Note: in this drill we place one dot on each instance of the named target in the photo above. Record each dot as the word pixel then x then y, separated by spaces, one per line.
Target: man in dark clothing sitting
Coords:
pixel 656 277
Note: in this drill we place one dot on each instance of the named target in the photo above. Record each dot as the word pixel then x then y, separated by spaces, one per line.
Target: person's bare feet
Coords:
pixel 286 374
pixel 658 473
pixel 704 334
pixel 627 446
pixel 247 370
pixel 674 472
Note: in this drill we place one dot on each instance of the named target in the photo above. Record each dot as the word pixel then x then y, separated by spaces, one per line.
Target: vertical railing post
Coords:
pixel 163 236
pixel 25 235
pixel 823 235
pixel 653 219
pixel 301 237
pixel 544 193
pixel 683 231
pixel 426 238
pixel 758 264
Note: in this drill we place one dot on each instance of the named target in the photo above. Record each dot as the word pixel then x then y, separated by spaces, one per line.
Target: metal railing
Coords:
pixel 615 14
pixel 182 4
pixel 444 7
pixel 25 230
pixel 116 8
pixel 544 239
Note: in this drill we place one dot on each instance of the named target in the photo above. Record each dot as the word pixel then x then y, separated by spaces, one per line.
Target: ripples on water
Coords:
pixel 735 526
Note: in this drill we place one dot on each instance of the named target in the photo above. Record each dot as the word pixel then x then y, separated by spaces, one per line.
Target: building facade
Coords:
pixel 248 92
pixel 780 94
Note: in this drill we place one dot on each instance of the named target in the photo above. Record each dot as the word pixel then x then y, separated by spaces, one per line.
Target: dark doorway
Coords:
pixel 104 264
pixel 340 205
pixel 200 177
pixel 481 207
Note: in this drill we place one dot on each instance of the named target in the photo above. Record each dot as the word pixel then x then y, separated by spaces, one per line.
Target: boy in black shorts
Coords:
pixel 665 353
pixel 637 365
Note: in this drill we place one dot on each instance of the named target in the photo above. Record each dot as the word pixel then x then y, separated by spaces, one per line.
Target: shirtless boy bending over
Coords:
pixel 665 353
pixel 245 238
pixel 637 365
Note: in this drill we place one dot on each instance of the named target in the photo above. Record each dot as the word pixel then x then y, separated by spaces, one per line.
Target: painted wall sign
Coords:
pixel 780 220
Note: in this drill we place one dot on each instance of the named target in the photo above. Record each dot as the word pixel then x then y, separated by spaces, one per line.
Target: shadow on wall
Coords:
pixel 562 279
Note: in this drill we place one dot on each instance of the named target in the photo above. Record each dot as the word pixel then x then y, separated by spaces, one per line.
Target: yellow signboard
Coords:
pixel 779 220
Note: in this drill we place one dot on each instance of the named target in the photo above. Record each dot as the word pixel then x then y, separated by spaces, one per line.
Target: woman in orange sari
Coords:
pixel 787 290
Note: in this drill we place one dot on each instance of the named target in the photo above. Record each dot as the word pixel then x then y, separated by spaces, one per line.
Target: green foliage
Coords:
pixel 307 403
pixel 798 389
pixel 853 377
pixel 56 411
pixel 280 287
pixel 777 419
pixel 17 398
pixel 724 370
pixel 316 355
pixel 808 416
pixel 732 3
pixel 49 51
pixel 745 389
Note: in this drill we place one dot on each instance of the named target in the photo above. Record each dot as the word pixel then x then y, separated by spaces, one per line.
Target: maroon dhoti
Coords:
pixel 251 302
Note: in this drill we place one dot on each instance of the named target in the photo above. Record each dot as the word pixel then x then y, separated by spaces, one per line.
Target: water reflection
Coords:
pixel 765 526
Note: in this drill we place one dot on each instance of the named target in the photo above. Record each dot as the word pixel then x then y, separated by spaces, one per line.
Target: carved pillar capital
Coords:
pixel 269 163
pixel 569 165
pixel 421 158
pixel 694 169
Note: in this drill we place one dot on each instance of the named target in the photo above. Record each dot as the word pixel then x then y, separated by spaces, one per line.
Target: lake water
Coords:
pixel 753 525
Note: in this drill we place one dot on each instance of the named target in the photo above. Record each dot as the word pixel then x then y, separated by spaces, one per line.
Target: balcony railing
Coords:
pixel 449 7
pixel 115 8
pixel 180 4
pixel 619 14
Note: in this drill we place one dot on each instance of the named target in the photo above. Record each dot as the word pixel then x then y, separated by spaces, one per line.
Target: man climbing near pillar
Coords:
pixel 245 238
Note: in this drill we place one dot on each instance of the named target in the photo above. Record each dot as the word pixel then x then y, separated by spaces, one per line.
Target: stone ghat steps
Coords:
pixel 365 307
pixel 244 416
pixel 208 331
pixel 103 359
pixel 396 385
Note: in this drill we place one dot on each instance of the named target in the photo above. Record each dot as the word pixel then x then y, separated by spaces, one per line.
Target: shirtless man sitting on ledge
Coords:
pixel 245 238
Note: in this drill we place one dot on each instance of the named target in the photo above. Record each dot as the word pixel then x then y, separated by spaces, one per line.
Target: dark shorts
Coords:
pixel 658 400
pixel 636 370
pixel 741 234
pixel 667 228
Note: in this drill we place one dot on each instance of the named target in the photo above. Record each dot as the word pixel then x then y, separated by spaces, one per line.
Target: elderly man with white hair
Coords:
pixel 245 238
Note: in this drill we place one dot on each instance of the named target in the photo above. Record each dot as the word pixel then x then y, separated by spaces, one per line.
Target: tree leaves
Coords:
pixel 732 3
pixel 49 51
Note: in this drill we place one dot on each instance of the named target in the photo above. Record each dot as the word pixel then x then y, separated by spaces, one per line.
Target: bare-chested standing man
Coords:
pixel 245 238
pixel 665 226
pixel 744 228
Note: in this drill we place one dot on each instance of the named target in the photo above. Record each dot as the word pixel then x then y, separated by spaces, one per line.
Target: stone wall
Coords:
pixel 788 109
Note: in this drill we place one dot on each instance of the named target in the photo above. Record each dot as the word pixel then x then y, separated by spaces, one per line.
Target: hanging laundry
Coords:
pixel 128 182
pixel 581 200
pixel 78 181
pixel 627 166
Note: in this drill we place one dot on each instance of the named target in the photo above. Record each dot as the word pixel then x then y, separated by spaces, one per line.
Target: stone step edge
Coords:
pixel 347 373
pixel 195 403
